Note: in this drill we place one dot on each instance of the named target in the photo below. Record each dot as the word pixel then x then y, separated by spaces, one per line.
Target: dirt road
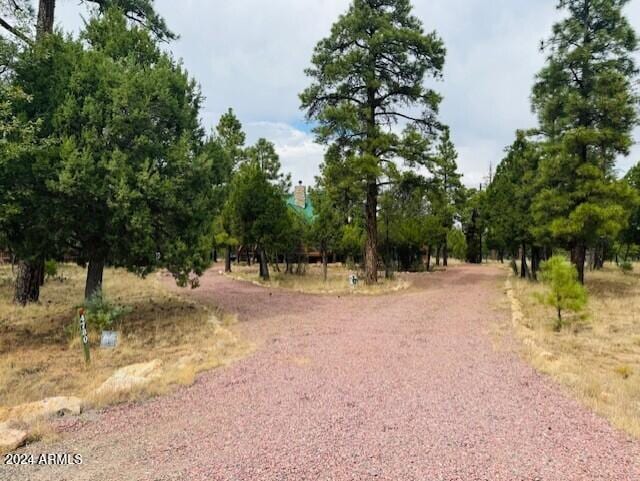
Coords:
pixel 408 386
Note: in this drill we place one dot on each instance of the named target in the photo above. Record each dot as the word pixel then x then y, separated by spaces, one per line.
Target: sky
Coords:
pixel 250 55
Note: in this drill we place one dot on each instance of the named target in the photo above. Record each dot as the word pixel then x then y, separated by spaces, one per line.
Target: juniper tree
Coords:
pixel 18 18
pixel 368 75
pixel 256 211
pixel 23 215
pixel 135 192
pixel 586 106
pixel 32 218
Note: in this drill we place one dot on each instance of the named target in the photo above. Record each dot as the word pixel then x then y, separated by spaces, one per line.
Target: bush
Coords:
pixel 626 267
pixel 102 314
pixel 50 269
pixel 564 292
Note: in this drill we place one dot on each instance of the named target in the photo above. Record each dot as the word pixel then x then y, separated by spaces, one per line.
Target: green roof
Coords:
pixel 307 212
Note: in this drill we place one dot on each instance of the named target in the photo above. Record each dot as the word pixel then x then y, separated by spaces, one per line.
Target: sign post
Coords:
pixel 84 337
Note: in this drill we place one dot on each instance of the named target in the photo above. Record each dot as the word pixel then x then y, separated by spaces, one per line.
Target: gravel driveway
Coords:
pixel 406 386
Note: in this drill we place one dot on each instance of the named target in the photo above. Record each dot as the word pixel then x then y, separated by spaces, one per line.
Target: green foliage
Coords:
pixel 364 82
pixel 626 267
pixel 26 210
pixel 350 245
pixel 326 228
pixel 139 12
pixel 256 210
pixel 50 269
pixel 509 196
pixel 631 235
pixel 263 154
pixel 102 314
pixel 564 292
pixel 129 136
pixel 587 109
pixel 446 187
pixel 474 224
pixel 457 244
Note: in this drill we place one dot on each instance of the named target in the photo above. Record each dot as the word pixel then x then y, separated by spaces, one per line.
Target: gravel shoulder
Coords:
pixel 405 386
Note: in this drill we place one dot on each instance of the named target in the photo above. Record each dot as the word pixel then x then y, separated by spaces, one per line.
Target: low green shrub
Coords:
pixel 564 292
pixel 626 267
pixel 100 314
pixel 103 314
pixel 50 269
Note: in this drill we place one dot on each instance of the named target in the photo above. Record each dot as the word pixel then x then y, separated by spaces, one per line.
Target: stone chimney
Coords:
pixel 300 195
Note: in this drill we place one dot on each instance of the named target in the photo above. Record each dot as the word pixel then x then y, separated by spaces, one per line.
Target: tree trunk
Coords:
pixel 445 254
pixel 325 262
pixel 46 12
pixel 524 270
pixel 438 256
pixel 276 263
pixel 535 262
pixel 514 266
pixel 264 265
pixel 215 255
pixel 429 258
pixel 41 271
pixel 227 260
pixel 579 260
pixel 371 244
pixel 94 277
pixel 27 282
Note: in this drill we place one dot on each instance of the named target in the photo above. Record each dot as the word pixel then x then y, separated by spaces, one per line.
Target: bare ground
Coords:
pixel 406 386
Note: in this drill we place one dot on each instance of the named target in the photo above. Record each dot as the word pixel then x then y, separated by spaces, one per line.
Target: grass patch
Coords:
pixel 596 355
pixel 39 359
pixel 312 281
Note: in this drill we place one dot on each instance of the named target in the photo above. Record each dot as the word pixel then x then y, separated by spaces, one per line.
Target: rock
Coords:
pixel 11 439
pixel 50 407
pixel 131 377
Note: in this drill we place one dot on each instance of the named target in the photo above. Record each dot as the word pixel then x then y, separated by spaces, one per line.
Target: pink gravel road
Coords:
pixel 407 386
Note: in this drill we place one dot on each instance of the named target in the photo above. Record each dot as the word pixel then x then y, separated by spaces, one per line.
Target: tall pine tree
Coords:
pixel 587 109
pixel 369 75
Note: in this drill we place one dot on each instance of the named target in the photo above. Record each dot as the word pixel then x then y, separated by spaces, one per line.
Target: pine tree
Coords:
pixel 587 109
pixel 225 148
pixel 326 228
pixel 447 183
pixel 263 154
pixel 368 75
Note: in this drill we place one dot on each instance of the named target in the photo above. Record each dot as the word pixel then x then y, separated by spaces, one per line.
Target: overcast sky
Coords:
pixel 251 55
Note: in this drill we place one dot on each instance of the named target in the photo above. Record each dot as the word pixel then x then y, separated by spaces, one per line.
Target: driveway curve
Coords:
pixel 405 386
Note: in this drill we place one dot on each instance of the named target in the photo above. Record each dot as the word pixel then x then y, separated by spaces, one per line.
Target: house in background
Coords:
pixel 300 202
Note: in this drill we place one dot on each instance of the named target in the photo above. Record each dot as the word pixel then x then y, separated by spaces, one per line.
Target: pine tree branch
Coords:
pixel 7 26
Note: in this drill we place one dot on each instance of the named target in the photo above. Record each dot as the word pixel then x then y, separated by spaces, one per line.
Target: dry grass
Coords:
pixel 312 281
pixel 39 360
pixel 597 355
